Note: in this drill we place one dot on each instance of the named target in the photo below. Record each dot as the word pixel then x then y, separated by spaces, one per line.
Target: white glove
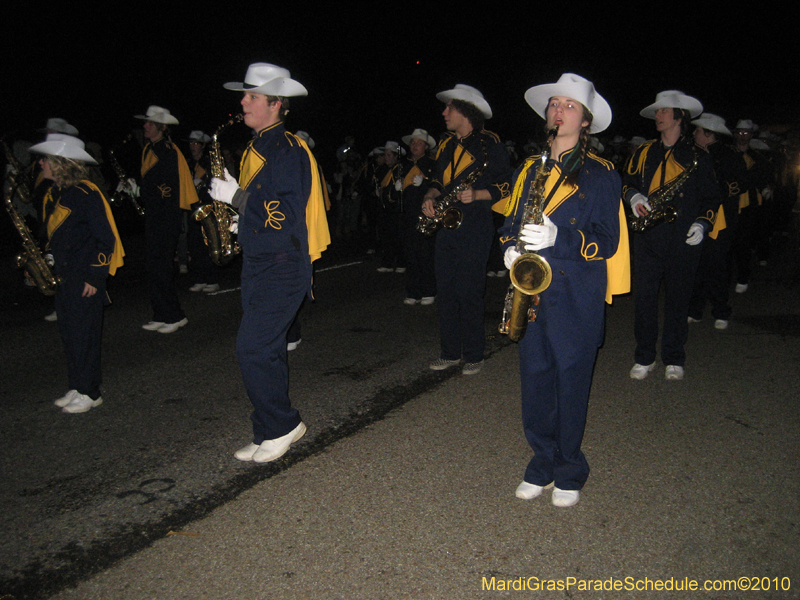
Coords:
pixel 398 185
pixel 695 234
pixel 510 256
pixel 48 258
pixel 538 237
pixel 766 193
pixel 129 186
pixel 418 180
pixel 639 199
pixel 234 224
pixel 223 190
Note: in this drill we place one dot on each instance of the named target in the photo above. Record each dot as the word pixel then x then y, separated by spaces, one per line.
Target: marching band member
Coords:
pixel 673 168
pixel 462 253
pixel 85 247
pixel 584 239
pixel 713 273
pixel 751 233
pixel 282 230
pixel 167 190
pixel 204 271
pixel 390 178
pixel 418 249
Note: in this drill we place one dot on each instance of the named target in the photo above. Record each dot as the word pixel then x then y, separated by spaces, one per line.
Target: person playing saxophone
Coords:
pixel 681 175
pixel 583 238
pixel 86 248
pixel 282 229
pixel 471 157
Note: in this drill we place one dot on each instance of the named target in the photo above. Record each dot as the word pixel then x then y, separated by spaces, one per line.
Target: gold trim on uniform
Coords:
pixel 274 216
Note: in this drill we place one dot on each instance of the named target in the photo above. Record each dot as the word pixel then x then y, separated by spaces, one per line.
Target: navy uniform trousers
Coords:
pixel 556 371
pixel 662 255
pixel 461 257
pixel 80 324
pixel 162 230
pixel 273 288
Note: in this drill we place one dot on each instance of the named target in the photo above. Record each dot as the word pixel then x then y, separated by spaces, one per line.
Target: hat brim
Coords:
pixel 164 120
pixel 407 140
pixel 721 129
pixel 538 97
pixel 281 86
pixel 457 94
pixel 693 105
pixel 62 149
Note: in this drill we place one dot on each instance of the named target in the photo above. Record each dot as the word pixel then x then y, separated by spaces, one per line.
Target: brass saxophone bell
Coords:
pixel 531 274
pixel 452 217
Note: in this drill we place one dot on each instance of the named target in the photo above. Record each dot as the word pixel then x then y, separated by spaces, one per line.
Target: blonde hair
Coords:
pixel 67 171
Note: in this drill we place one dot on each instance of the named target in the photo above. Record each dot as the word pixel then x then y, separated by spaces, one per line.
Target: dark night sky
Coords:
pixel 375 73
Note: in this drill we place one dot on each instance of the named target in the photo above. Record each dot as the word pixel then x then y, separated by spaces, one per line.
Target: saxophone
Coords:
pixel 445 211
pixel 125 194
pixel 31 259
pixel 216 218
pixel 661 203
pixel 530 273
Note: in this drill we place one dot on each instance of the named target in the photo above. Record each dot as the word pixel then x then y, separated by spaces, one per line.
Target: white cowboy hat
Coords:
pixel 746 125
pixel 303 135
pixel 269 80
pixel 637 141
pixel 467 93
pixel 58 125
pixel 61 144
pixel 673 99
pixel 711 122
pixel 575 87
pixel 394 147
pixel 420 134
pixel 156 114
pixel 199 137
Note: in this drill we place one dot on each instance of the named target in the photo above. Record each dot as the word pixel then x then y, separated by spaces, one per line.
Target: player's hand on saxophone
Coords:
pixel 639 205
pixel 538 237
pixel 129 186
pixel 223 190
pixel 429 207
pixel 510 256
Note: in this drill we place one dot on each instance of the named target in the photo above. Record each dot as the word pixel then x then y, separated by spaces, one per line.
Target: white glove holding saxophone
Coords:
pixel 129 186
pixel 638 200
pixel 695 234
pixel 510 256
pixel 538 237
pixel 223 190
pixel 398 185
pixel 234 228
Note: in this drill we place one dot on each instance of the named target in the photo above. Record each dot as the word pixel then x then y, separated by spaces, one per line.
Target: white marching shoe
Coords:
pixel 641 371
pixel 529 491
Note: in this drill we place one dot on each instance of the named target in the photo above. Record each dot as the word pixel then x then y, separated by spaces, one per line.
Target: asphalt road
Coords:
pixel 403 486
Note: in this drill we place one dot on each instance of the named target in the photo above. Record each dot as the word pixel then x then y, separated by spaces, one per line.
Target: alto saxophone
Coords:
pixel 530 273
pixel 124 193
pixel 31 259
pixel 661 203
pixel 216 218
pixel 445 212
